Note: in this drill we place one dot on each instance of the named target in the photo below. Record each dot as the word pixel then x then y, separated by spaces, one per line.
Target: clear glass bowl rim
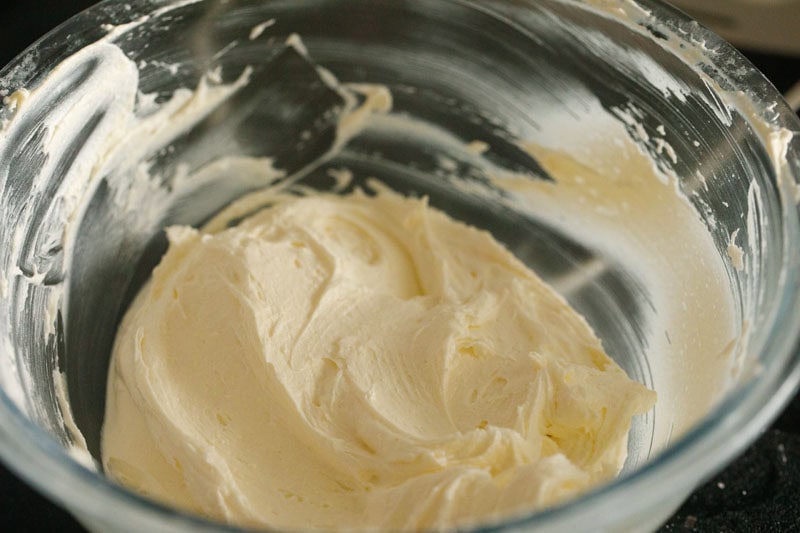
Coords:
pixel 727 430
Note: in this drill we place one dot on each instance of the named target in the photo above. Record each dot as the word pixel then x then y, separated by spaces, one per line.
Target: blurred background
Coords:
pixel 768 25
pixel 760 491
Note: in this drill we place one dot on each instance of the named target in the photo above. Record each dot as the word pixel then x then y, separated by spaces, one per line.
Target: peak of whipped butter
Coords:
pixel 359 362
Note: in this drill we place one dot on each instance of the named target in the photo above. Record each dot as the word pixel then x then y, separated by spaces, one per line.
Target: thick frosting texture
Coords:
pixel 358 362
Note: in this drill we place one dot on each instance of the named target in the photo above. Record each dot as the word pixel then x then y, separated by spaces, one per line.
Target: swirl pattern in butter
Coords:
pixel 359 362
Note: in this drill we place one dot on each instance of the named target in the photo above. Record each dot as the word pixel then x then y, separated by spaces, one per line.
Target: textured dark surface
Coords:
pixel 759 492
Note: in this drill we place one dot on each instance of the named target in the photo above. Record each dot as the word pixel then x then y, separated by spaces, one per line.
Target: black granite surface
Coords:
pixel 759 492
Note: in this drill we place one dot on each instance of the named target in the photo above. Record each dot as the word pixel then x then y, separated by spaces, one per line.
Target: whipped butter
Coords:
pixel 362 362
pixel 279 374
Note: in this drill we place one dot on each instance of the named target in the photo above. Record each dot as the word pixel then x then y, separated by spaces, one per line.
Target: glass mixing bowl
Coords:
pixel 76 248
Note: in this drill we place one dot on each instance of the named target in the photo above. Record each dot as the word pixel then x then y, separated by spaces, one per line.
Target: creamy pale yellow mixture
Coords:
pixel 359 362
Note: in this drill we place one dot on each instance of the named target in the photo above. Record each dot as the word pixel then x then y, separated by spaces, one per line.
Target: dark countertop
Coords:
pixel 759 492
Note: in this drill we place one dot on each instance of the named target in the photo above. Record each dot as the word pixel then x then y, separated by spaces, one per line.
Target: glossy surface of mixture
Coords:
pixel 359 362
